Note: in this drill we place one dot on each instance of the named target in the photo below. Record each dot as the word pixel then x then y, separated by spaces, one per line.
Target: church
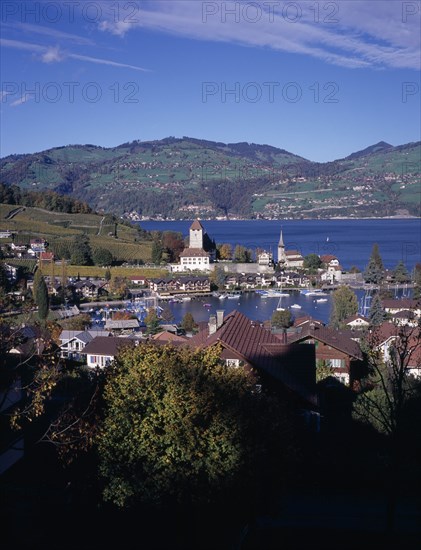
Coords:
pixel 288 258
pixel 200 253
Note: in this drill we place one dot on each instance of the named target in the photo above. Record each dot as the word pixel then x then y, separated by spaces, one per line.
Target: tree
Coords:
pixel 107 275
pixel 241 254
pixel 400 273
pixel 40 293
pixel 281 319
pixel 217 277
pixel 152 321
pixel 188 324
pixel 225 251
pixel 173 244
pixel 82 253
pixel 312 261
pixel 377 314
pixel 344 304
pixel 417 282
pixel 180 427
pixel 374 271
pixel 388 393
pixel 167 315
pixel 102 257
pixel 323 370
pixel 157 251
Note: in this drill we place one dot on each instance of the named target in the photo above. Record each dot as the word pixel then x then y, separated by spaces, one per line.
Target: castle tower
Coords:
pixel 196 235
pixel 281 249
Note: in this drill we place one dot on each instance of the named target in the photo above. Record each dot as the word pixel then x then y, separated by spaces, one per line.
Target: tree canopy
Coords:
pixel 344 304
pixel 374 271
pixel 181 427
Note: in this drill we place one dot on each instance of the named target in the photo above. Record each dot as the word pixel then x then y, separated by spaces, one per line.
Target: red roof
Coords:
pixel 196 226
pixel 262 350
pixel 194 253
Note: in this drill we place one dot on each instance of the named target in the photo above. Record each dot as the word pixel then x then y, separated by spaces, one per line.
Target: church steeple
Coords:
pixel 281 249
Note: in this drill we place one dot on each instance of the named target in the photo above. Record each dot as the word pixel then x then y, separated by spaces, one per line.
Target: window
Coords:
pixel 337 363
pixel 92 359
pixel 232 362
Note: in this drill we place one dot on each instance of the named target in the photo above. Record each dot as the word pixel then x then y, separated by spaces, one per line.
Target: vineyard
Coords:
pixel 126 243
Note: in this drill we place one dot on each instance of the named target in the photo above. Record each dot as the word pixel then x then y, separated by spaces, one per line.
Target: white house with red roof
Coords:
pixel 200 252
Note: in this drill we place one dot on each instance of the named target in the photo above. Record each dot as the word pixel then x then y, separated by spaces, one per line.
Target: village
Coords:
pixel 305 361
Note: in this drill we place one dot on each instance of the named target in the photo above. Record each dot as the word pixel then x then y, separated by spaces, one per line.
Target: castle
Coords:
pixel 200 252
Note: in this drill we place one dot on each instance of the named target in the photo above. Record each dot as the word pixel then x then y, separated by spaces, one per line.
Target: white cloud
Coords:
pixel 20 101
pixel 352 34
pixel 50 54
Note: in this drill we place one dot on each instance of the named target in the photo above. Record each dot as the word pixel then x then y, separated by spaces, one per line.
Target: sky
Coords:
pixel 319 79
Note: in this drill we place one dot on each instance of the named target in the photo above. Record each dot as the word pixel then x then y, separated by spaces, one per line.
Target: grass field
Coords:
pixel 99 272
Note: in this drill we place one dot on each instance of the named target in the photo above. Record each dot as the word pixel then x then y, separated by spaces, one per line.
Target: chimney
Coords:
pixel 284 339
pixel 212 324
pixel 219 317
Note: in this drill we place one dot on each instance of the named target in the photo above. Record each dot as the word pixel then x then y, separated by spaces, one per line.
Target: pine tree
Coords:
pixel 41 297
pixel 188 324
pixel 400 273
pixel 377 314
pixel 375 269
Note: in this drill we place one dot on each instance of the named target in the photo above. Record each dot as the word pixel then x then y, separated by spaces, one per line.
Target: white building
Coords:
pixel 200 252
pixel 288 258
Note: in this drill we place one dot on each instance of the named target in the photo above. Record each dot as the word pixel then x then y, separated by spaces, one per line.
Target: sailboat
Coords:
pixel 279 306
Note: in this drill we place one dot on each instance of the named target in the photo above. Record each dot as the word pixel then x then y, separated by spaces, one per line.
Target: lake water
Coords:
pixel 350 240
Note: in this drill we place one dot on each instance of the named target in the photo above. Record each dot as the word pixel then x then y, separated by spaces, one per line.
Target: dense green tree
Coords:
pixel 374 271
pixel 157 251
pixel 400 273
pixel 179 427
pixel 152 321
pixel 281 319
pixel 217 277
pixel 41 295
pixel 344 304
pixel 376 314
pixel 312 261
pixel 242 254
pixel 102 257
pixel 81 252
pixel 188 324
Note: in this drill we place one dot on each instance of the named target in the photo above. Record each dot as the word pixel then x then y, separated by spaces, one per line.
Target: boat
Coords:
pixel 279 306
pixel 313 292
pixel 222 296
pixel 186 298
pixel 207 305
pixel 277 293
pixel 233 296
pixel 296 306
pixel 321 300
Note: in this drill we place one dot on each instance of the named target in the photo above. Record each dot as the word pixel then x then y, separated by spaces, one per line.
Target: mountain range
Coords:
pixel 184 178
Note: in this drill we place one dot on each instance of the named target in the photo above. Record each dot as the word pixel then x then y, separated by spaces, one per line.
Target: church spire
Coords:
pixel 281 240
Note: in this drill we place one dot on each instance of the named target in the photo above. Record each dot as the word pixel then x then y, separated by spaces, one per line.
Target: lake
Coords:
pixel 350 240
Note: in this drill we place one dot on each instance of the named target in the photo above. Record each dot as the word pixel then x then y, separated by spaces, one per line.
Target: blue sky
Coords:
pixel 319 79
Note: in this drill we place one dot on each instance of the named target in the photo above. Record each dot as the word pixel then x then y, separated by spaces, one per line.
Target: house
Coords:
pixel 46 257
pixel 247 344
pixel 355 322
pixel 5 234
pixel 179 285
pixel 394 305
pixel 102 350
pixel 405 339
pixel 335 348
pixel 37 245
pixel 138 280
pixel 90 290
pixel 123 324
pixel 74 341
pixel 329 260
pixel 265 258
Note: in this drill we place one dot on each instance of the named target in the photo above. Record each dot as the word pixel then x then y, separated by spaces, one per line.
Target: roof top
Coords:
pixel 107 345
pixel 193 253
pixel 337 339
pixel 196 226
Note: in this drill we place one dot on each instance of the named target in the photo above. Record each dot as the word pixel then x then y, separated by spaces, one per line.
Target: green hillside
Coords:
pixel 126 243
pixel 187 178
